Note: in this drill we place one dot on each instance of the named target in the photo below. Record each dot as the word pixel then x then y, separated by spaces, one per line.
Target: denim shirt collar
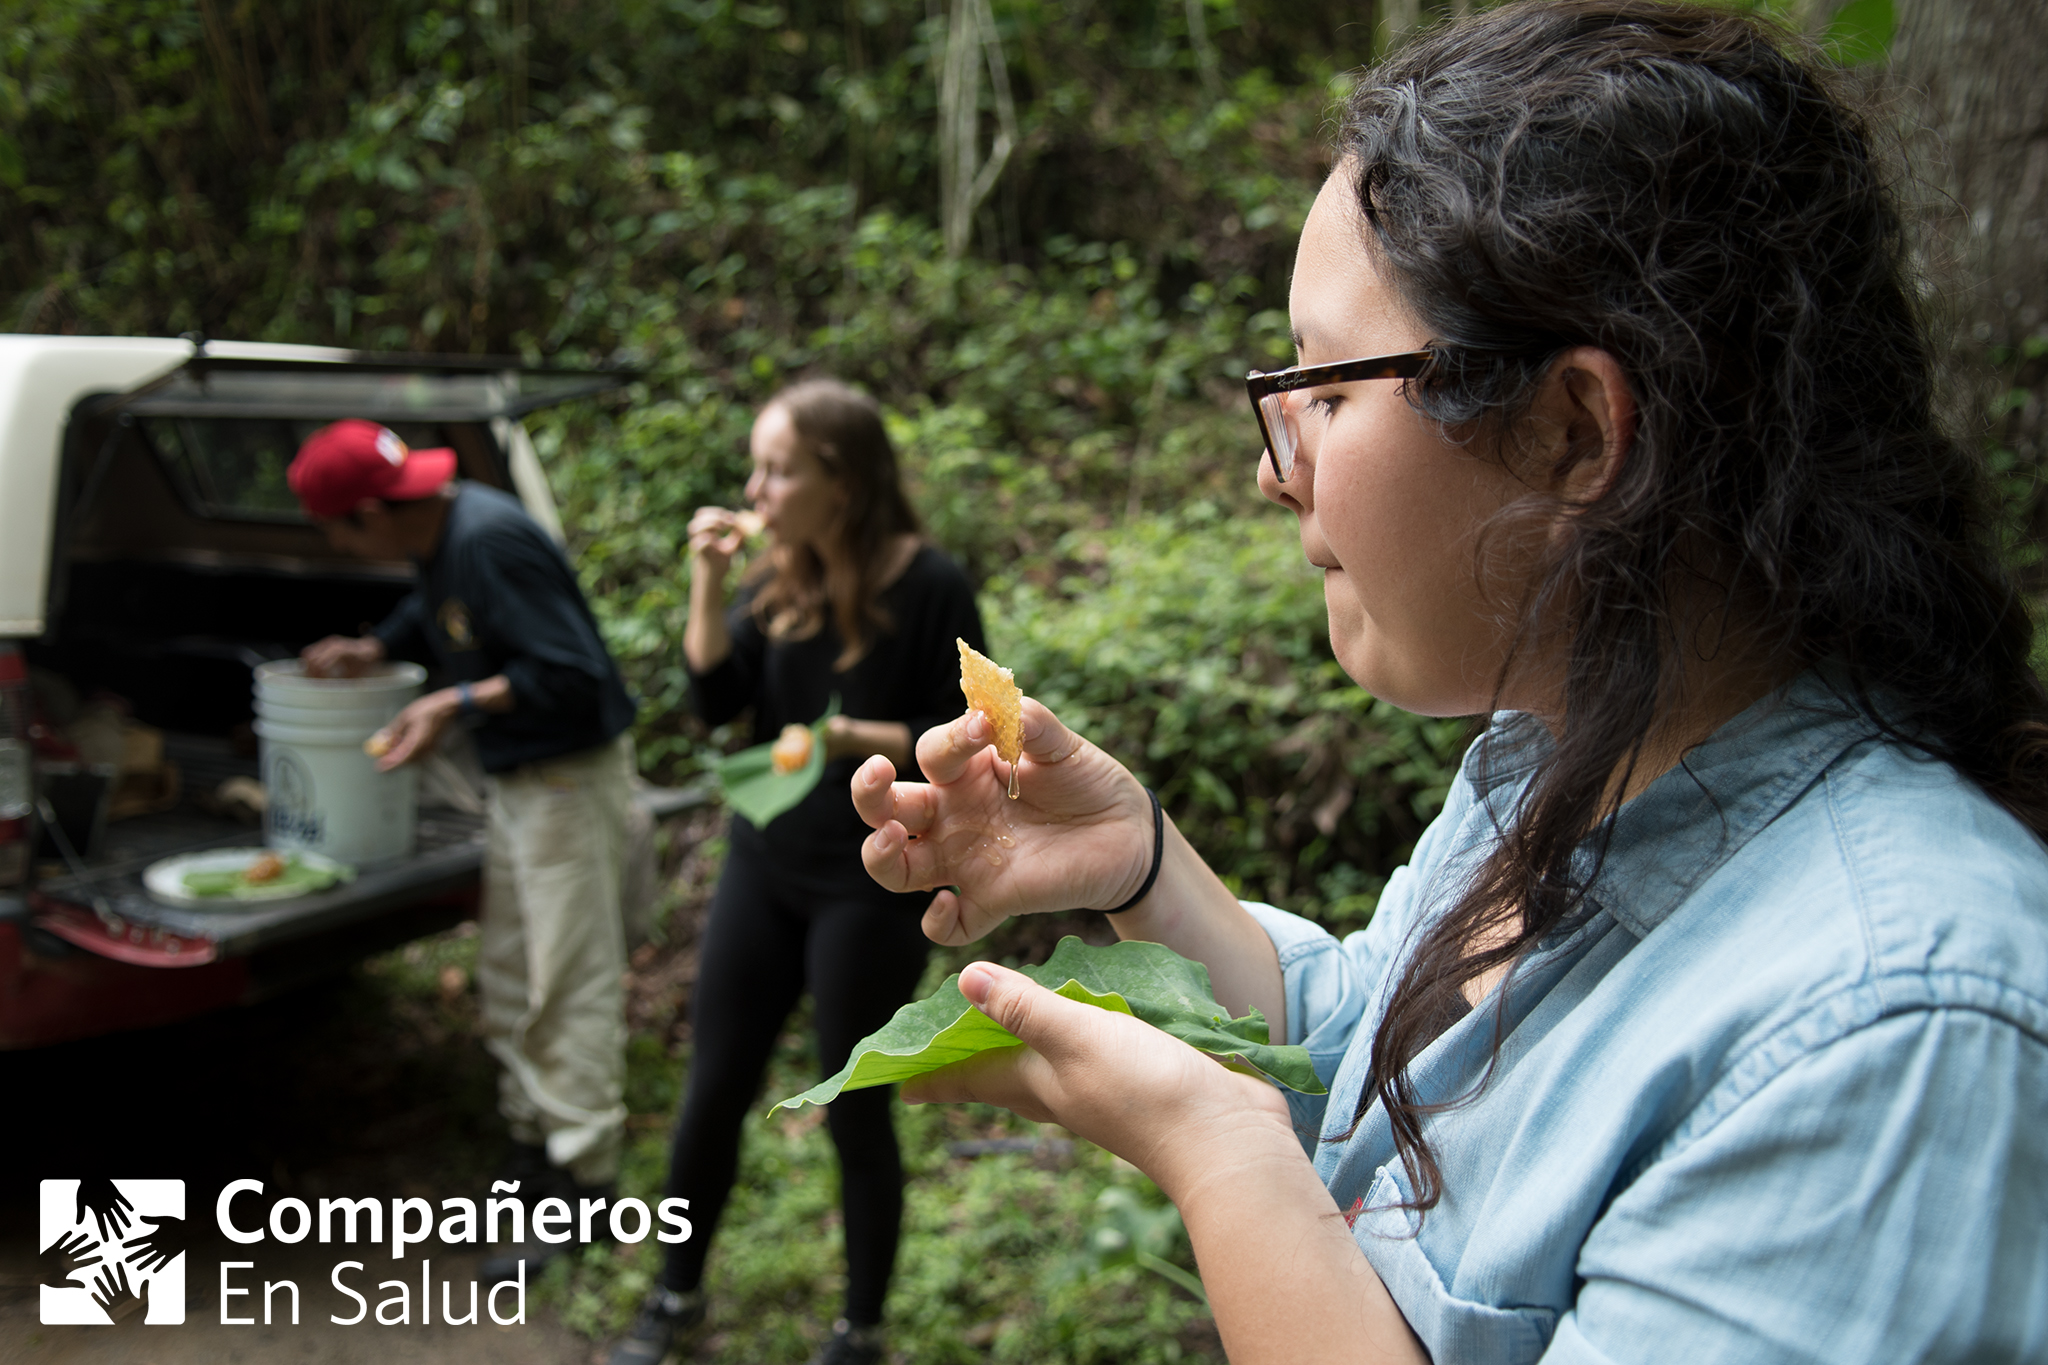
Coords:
pixel 1740 779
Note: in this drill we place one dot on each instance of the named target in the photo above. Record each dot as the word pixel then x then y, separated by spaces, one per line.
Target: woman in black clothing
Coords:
pixel 850 602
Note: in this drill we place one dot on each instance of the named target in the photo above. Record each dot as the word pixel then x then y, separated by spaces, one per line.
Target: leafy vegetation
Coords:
pixel 729 195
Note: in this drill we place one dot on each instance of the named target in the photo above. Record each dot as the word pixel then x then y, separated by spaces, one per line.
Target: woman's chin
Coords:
pixel 1388 674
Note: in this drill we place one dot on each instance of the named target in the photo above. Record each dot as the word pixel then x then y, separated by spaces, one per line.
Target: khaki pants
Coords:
pixel 552 953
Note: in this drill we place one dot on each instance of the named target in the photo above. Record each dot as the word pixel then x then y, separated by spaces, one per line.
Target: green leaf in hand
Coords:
pixel 757 791
pixel 1148 980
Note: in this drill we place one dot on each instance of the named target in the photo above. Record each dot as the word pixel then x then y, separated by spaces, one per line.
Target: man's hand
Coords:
pixel 342 656
pixel 109 1207
pixel 56 1264
pixel 162 1245
pixel 415 730
pixel 1079 836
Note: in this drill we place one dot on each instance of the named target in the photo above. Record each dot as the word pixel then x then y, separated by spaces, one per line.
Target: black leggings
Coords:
pixel 860 951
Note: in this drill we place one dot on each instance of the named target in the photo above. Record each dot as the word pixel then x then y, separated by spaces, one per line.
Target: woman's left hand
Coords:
pixel 846 737
pixel 1176 1114
pixel 1285 1280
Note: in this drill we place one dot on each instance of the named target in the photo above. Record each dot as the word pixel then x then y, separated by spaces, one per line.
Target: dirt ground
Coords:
pixel 348 1089
pixel 370 1084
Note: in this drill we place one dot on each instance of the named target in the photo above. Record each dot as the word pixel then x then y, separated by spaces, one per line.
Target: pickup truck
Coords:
pixel 151 555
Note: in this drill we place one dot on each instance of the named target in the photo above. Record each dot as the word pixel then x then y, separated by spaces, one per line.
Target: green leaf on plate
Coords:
pixel 297 879
pixel 757 791
pixel 1148 980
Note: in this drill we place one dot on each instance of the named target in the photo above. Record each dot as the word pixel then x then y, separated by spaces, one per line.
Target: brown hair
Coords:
pixel 1675 186
pixel 841 428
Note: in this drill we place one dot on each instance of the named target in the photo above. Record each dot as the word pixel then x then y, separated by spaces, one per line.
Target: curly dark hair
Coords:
pixel 1681 188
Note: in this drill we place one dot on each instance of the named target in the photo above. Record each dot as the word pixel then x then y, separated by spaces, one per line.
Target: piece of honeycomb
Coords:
pixel 792 749
pixel 994 692
pixel 266 868
pixel 378 745
pixel 749 523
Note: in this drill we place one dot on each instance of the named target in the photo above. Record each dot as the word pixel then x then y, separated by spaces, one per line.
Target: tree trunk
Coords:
pixel 1969 72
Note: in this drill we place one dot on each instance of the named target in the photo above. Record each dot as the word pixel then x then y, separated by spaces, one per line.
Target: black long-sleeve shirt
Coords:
pixel 498 596
pixel 910 674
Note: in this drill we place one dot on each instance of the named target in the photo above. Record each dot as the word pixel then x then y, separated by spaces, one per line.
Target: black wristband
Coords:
pixel 1158 855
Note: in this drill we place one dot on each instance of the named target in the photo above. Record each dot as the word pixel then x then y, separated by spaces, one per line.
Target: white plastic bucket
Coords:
pixel 325 793
pixel 285 680
pixel 374 712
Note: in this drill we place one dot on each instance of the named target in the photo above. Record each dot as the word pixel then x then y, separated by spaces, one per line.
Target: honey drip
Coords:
pixel 990 848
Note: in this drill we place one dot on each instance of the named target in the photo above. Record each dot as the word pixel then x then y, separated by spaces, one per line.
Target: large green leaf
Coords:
pixel 1148 980
pixel 757 791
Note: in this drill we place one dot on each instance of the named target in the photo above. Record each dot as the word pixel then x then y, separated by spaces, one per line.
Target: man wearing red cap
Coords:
pixel 499 612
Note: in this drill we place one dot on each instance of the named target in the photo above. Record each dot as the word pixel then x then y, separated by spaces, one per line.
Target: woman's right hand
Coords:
pixel 715 537
pixel 1078 837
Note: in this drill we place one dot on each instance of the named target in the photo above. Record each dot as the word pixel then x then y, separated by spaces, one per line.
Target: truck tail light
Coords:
pixel 17 797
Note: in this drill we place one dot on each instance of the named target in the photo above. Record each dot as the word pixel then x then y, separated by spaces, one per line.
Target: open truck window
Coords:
pixel 233 468
pixel 228 467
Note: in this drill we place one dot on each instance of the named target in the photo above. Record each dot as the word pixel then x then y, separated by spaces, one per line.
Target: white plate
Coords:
pixel 166 879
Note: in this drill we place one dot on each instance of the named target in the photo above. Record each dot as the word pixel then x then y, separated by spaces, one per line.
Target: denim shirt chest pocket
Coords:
pixel 1453 1329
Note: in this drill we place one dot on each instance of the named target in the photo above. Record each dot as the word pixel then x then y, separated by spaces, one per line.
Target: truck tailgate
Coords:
pixel 136 927
pixel 144 929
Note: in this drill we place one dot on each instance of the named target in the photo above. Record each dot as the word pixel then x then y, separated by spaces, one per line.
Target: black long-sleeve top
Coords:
pixel 911 673
pixel 498 596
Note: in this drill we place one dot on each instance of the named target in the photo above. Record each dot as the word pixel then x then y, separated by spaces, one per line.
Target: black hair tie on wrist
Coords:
pixel 1158 854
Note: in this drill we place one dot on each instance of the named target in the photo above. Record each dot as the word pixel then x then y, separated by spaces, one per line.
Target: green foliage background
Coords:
pixel 733 194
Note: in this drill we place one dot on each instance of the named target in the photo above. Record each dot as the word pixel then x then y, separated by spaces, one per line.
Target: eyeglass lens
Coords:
pixel 1282 436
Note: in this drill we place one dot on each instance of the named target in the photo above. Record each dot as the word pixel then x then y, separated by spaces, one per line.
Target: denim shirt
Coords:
pixel 1784 1097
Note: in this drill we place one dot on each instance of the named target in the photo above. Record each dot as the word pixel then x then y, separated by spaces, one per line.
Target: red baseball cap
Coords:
pixel 342 464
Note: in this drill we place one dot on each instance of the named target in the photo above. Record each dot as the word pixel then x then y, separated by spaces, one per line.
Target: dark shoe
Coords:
pixel 852 1345
pixel 533 1256
pixel 539 1255
pixel 664 1318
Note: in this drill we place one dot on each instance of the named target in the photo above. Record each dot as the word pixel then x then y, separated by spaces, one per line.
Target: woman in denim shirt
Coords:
pixel 1710 1020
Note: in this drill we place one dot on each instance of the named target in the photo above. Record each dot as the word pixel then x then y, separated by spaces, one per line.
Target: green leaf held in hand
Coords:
pixel 1148 980
pixel 757 791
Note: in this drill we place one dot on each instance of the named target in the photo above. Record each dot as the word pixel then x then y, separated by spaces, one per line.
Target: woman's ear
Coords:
pixel 1582 423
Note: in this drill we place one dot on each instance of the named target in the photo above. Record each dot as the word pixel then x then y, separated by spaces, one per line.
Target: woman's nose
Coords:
pixel 1297 493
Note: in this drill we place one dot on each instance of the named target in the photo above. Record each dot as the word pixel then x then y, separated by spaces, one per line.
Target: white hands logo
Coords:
pixel 112 1248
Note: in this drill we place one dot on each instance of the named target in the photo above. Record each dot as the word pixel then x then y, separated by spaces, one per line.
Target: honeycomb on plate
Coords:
pixel 792 748
pixel 267 867
pixel 992 691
